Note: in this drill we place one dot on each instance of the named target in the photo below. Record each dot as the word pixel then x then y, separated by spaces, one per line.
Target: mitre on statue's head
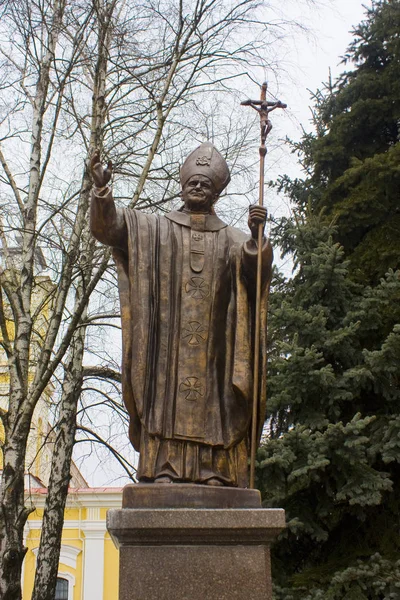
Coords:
pixel 206 160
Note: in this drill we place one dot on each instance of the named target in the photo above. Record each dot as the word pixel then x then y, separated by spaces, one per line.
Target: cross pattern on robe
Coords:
pixel 192 388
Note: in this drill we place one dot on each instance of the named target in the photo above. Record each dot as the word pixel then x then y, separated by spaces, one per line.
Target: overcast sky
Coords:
pixel 331 27
pixel 306 65
pixel 311 56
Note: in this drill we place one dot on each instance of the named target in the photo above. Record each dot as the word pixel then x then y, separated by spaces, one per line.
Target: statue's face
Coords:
pixel 199 194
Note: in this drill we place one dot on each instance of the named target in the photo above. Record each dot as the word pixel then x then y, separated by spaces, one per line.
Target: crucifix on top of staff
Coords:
pixel 263 107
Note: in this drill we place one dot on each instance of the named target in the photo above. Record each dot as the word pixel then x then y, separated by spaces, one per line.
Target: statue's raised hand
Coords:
pixel 257 216
pixel 100 175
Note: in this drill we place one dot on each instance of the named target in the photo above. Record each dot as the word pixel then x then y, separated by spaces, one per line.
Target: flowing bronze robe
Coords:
pixel 187 291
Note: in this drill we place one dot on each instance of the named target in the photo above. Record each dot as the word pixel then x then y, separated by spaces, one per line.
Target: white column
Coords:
pixel 93 561
pixel 26 533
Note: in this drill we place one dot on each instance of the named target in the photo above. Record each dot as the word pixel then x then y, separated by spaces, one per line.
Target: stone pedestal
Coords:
pixel 220 552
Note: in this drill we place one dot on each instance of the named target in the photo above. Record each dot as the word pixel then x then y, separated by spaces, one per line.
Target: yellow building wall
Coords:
pixel 69 538
pixel 74 537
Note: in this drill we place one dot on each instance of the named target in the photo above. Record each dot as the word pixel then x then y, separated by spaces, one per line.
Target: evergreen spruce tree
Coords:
pixel 331 453
pixel 352 161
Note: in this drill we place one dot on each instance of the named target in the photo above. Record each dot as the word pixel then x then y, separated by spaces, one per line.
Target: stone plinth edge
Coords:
pixel 165 527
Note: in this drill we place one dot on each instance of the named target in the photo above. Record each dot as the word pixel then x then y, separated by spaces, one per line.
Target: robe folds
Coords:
pixel 187 290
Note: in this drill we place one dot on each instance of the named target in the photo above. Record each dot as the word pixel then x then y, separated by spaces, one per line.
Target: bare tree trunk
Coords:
pixel 13 516
pixel 53 518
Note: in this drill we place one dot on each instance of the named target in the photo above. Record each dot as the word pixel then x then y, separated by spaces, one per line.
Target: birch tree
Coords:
pixel 76 75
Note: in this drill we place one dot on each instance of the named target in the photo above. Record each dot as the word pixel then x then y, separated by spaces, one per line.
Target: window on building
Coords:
pixel 61 589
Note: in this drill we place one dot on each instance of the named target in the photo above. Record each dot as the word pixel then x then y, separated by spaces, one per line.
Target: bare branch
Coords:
pixel 101 373
pixel 128 468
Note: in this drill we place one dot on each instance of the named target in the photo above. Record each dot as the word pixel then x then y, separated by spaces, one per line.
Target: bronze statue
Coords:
pixel 187 290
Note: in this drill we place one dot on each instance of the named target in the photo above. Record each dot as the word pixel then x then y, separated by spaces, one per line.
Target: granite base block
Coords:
pixel 195 553
pixel 195 573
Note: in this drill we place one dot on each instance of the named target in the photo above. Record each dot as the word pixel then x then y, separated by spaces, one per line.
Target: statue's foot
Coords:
pixel 214 481
pixel 163 479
